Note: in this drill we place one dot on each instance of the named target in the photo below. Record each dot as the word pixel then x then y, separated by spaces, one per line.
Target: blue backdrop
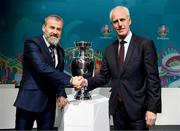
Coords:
pixel 88 20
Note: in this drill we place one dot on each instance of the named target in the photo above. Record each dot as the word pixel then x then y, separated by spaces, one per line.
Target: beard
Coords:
pixel 52 39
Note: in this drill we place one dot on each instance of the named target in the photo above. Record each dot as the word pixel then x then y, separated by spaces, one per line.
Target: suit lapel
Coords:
pixel 116 44
pixel 47 54
pixel 60 52
pixel 131 48
pixel 46 50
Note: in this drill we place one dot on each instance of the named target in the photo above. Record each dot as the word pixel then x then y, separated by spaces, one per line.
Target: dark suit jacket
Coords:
pixel 41 81
pixel 138 82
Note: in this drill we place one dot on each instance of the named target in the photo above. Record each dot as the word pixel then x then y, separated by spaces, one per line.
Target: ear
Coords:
pixel 43 28
pixel 129 21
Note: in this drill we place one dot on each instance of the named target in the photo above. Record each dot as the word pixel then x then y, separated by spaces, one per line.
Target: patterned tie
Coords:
pixel 121 54
pixel 52 49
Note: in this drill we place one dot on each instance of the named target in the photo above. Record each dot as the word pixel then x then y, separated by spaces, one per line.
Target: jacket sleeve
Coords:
pixel 102 78
pixel 152 76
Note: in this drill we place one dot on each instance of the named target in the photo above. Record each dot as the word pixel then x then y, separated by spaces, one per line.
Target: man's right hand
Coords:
pixel 78 82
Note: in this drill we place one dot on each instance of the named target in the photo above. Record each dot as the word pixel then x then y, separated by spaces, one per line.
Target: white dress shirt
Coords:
pixel 126 45
pixel 55 51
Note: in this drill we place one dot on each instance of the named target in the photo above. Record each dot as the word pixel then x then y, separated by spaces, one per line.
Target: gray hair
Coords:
pixel 57 17
pixel 119 7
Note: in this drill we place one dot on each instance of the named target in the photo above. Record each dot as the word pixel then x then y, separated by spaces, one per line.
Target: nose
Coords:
pixel 55 31
pixel 119 22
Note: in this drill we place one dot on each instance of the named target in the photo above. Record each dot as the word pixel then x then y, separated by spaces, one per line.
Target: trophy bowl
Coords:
pixel 82 65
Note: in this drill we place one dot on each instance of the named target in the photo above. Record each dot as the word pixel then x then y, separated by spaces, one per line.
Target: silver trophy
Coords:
pixel 82 65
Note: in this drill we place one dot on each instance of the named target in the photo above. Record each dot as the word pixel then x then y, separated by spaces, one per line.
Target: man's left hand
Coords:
pixel 62 101
pixel 150 118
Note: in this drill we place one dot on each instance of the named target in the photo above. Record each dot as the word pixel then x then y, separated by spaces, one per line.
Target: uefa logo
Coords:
pixel 163 32
pixel 106 32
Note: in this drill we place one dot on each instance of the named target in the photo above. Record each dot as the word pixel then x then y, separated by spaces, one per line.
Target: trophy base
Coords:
pixel 82 96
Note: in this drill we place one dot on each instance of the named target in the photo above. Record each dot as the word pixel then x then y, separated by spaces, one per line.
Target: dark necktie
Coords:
pixel 121 62
pixel 121 54
pixel 52 49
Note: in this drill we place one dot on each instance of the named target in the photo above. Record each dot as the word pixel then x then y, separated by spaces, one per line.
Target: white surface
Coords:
pixel 7 111
pixel 8 94
pixel 170 106
pixel 86 115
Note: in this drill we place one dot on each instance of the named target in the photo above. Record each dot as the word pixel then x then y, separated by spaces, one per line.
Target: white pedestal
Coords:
pixel 8 94
pixel 86 115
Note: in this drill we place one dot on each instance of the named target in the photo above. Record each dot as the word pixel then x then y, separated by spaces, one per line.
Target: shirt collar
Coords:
pixel 127 38
pixel 47 43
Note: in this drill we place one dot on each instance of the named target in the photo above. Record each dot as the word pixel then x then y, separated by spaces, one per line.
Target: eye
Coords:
pixel 116 21
pixel 122 20
pixel 59 29
pixel 52 27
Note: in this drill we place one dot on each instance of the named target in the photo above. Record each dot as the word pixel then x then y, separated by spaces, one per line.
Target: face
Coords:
pixel 121 22
pixel 52 30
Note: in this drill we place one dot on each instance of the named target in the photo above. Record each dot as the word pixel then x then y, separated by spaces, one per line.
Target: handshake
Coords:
pixel 78 82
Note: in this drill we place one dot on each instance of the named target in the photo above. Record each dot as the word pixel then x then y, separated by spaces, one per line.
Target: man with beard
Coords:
pixel 43 78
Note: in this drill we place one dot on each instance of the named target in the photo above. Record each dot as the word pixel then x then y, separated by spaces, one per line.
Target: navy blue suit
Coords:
pixel 138 82
pixel 41 83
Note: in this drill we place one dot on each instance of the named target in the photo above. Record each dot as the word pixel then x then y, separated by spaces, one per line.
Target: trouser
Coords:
pixel 45 119
pixel 122 121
